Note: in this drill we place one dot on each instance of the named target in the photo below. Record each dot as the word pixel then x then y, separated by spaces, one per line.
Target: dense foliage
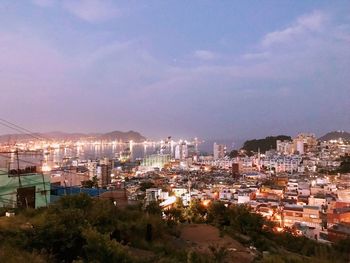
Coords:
pixel 343 168
pixel 335 135
pixel 344 164
pixel 82 229
pixel 252 229
pixel 264 144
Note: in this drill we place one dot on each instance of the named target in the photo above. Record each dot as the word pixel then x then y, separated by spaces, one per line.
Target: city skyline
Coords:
pixel 213 70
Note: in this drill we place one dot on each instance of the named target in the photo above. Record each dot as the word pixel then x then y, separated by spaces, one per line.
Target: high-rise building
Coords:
pixel 181 151
pixel 299 146
pixel 219 151
pixel 106 174
pixel 155 161
pixel 305 142
pixel 104 171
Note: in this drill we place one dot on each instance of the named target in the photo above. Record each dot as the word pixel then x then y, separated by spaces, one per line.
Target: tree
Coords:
pixel 345 164
pixel 233 154
pixel 99 248
pixel 81 201
pixel 174 214
pixel 219 253
pixel 196 212
pixel 264 144
pixel 342 247
pixel 193 257
pixel 13 255
pixel 149 232
pixel 153 208
pixel 243 220
pixel 59 233
pixel 217 214
pixel 90 183
pixel 146 185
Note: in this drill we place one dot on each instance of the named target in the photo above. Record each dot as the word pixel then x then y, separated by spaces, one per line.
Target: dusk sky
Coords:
pixel 212 69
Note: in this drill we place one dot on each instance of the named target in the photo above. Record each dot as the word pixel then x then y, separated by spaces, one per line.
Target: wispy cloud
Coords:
pixel 305 24
pixel 307 56
pixel 92 10
pixel 44 3
pixel 258 55
pixel 121 73
pixel 205 54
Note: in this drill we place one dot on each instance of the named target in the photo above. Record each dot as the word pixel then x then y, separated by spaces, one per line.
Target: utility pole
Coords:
pixel 18 172
pixel 189 186
pixel 44 187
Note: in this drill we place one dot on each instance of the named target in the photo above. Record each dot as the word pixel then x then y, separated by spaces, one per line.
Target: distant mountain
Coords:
pixel 264 144
pixel 125 136
pixel 334 135
pixel 110 136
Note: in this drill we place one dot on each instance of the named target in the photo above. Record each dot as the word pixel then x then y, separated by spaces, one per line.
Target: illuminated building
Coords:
pixel 308 215
pixel 219 151
pixel 304 143
pixel 339 232
pixel 155 194
pixel 339 212
pixel 155 161
pixel 284 147
pixel 106 170
pixel 181 151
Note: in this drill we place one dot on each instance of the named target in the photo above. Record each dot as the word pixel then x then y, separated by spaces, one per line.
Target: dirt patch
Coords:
pixel 201 237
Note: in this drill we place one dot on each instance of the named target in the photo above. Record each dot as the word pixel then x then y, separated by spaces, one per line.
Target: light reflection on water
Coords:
pixel 92 152
pixel 86 152
pixel 96 151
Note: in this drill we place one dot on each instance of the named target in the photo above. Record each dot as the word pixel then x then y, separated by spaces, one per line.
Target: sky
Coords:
pixel 211 69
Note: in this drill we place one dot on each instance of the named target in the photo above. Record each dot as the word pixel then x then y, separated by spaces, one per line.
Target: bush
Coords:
pixel 11 254
pixel 99 248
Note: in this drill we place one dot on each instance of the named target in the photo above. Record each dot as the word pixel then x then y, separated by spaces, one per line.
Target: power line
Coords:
pixel 24 161
pixel 22 130
pixel 36 164
pixel 29 133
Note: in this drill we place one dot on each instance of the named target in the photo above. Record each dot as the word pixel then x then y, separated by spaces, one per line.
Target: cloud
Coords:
pixel 116 76
pixel 107 50
pixel 205 55
pixel 44 3
pixel 253 56
pixel 268 68
pixel 92 10
pixel 313 22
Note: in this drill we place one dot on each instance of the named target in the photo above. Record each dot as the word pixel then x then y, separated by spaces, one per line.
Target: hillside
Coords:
pixel 264 144
pixel 125 136
pixel 78 228
pixel 335 135
pixel 114 135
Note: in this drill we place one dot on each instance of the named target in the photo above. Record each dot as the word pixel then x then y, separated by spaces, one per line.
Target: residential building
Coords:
pixel 27 190
pixel 219 151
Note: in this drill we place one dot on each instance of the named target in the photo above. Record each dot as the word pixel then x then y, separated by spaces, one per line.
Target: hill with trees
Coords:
pixel 335 135
pixel 264 145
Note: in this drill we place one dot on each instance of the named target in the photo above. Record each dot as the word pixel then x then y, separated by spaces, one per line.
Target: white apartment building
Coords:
pixel 219 151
